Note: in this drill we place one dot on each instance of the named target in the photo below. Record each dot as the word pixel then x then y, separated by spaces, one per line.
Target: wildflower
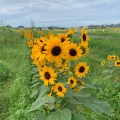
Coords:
pixel 48 75
pixel 74 52
pixel 60 89
pixel 72 82
pixel 81 69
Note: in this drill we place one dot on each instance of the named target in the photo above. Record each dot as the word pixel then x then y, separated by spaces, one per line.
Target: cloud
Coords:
pixel 59 12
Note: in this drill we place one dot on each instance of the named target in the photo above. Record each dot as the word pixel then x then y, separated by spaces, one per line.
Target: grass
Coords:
pixel 15 83
pixel 14 91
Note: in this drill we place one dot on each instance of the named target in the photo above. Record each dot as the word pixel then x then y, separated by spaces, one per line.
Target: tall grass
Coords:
pixel 14 91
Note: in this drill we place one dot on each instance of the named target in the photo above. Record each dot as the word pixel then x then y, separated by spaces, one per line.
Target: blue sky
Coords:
pixel 61 13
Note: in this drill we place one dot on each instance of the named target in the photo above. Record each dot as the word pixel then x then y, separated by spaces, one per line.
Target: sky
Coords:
pixel 60 13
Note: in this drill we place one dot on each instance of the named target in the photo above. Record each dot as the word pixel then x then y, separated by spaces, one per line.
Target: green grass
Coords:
pixel 15 67
pixel 14 91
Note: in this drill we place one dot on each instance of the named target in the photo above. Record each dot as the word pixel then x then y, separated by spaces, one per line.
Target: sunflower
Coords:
pixel 81 69
pixel 70 33
pixel 74 52
pixel 72 82
pixel 55 50
pixel 38 52
pixel 63 37
pixel 48 75
pixel 84 48
pixel 117 63
pixel 111 57
pixel 84 37
pixel 77 89
pixel 102 63
pixel 60 89
pixel 30 43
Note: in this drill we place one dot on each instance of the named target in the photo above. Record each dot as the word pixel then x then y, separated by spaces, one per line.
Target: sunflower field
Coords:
pixel 59 75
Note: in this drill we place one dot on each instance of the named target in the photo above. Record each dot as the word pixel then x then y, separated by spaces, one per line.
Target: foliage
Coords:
pixel 69 97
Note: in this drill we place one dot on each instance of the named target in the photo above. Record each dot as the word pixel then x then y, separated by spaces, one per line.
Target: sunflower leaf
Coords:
pixel 83 93
pixel 41 101
pixel 39 116
pixel 64 114
pixel 78 116
pixel 43 90
pixel 89 84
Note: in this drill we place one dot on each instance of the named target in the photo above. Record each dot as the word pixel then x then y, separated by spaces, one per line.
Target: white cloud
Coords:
pixel 61 12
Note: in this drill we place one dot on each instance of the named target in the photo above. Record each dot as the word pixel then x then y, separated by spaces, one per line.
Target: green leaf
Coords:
pixel 89 84
pixel 100 106
pixel 34 92
pixel 78 116
pixel 97 106
pixel 34 70
pixel 41 101
pixel 40 116
pixel 73 100
pixel 43 90
pixel 64 114
pixel 49 118
pixel 35 85
pixel 83 93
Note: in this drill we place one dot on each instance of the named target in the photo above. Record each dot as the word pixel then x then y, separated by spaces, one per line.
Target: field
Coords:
pixel 15 72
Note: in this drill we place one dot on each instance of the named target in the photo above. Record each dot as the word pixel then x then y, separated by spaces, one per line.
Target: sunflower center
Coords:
pixel 43 48
pixel 72 52
pixel 71 81
pixel 60 88
pixel 47 75
pixel 84 37
pixel 41 41
pixel 56 51
pixel 118 63
pixel 83 50
pixel 62 39
pixel 81 69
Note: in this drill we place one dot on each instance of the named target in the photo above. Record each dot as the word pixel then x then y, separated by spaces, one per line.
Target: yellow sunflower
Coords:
pixel 74 52
pixel 102 63
pixel 60 89
pixel 112 57
pixel 85 49
pixel 117 63
pixel 84 37
pixel 55 50
pixel 30 43
pixel 48 75
pixel 63 37
pixel 38 52
pixel 81 69
pixel 72 82
pixel 70 33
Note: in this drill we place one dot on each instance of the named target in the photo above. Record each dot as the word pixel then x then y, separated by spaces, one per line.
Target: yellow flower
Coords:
pixel 74 52
pixel 102 63
pixel 84 48
pixel 84 36
pixel 48 75
pixel 111 57
pixel 77 89
pixel 63 37
pixel 55 50
pixel 70 33
pixel 60 89
pixel 117 63
pixel 72 82
pixel 81 69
